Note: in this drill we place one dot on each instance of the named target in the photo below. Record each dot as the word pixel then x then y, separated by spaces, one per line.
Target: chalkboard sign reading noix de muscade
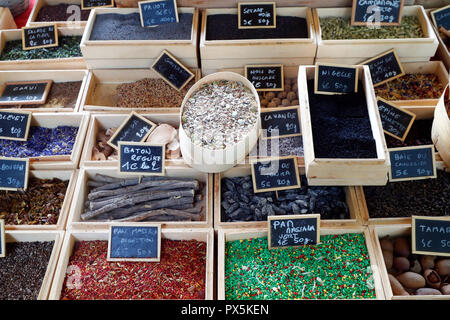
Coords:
pixel 2 239
pixel 172 70
pixel 25 92
pixel 412 163
pixel 293 230
pixel 430 235
pixel 396 121
pixel 384 67
pixel 269 77
pixel 141 158
pixel 44 36
pixel 280 122
pixel 92 4
pixel 257 15
pixel 134 242
pixel 441 17
pixel 14 173
pixel 335 79
pixel 15 125
pixel 157 12
pixel 274 174
pixel 380 12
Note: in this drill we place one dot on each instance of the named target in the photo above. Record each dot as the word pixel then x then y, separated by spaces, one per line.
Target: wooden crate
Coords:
pixel 102 84
pixel 30 236
pixel 225 235
pixel 110 54
pixel 220 54
pixel 356 51
pixel 81 190
pixel 377 232
pixel 73 236
pixel 38 4
pixel 55 75
pixel 40 64
pixel 324 171
pixel 6 19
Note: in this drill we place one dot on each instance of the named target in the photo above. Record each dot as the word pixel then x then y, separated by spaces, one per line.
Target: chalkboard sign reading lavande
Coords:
pixel 384 67
pixel 2 239
pixel 25 92
pixel 253 15
pixel 441 17
pixel 293 230
pixel 172 71
pixel 412 163
pixel 335 79
pixel 135 128
pixel 91 4
pixel 156 12
pixel 132 242
pixel 14 173
pixel 141 158
pixel 274 174
pixel 396 121
pixel 280 122
pixel 14 125
pixel 266 77
pixel 431 235
pixel 45 36
pixel 384 13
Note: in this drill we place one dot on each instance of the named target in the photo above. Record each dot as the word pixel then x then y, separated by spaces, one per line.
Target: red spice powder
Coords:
pixel 180 274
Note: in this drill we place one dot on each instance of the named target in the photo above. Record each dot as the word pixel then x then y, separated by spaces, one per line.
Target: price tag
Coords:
pixel 25 92
pixel 431 235
pixel 274 174
pixel 266 77
pixel 441 17
pixel 156 12
pixel 45 36
pixel 384 67
pixel 14 173
pixel 280 122
pixel 257 15
pixel 293 230
pixel 92 4
pixel 396 121
pixel 141 158
pixel 384 13
pixel 412 163
pixel 335 79
pixel 172 71
pixel 14 125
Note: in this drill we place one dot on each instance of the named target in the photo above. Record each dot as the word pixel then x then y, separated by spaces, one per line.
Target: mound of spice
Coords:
pixel 338 28
pixel 286 98
pixel 61 12
pixel 23 269
pixel 418 135
pixel 41 142
pixel 337 268
pixel 180 274
pixel 288 146
pixel 411 87
pixel 429 197
pixel 240 203
pixel 40 204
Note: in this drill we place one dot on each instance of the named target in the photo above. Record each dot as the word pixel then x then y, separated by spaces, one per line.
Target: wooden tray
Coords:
pixel 38 4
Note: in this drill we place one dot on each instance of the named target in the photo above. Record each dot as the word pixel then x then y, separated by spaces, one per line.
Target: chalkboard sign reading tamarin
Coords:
pixel 441 17
pixel 156 12
pixel 141 158
pixel 172 71
pixel 293 230
pixel 396 121
pixel 384 13
pixel 14 173
pixel 14 125
pixel 91 4
pixel 45 36
pixel 254 15
pixel 335 79
pixel 25 92
pixel 269 77
pixel 384 67
pixel 274 174
pixel 430 235
pixel 412 163
pixel 2 239
pixel 280 122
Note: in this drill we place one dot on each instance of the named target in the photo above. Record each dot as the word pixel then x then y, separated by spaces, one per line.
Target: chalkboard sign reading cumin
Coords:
pixel 257 15
pixel 293 230
pixel 269 77
pixel 412 163
pixel 25 92
pixel 280 122
pixel 274 174
pixel 14 173
pixel 396 121
pixel 91 4
pixel 431 235
pixel 141 158
pixel 2 239
pixel 45 36
pixel 441 17
pixel 335 79
pixel 156 12
pixel 172 71
pixel 384 67
pixel 382 12
pixel 14 125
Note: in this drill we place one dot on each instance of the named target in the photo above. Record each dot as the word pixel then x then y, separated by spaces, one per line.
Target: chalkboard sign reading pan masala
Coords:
pixel 293 230
pixel 384 12
pixel 14 173
pixel 280 122
pixel 396 121
pixel 257 15
pixel 266 77
pixel 431 235
pixel 14 125
pixel 172 71
pixel 441 17
pixel 156 12
pixel 274 174
pixel 45 36
pixel 141 158
pixel 25 92
pixel 384 67
pixel 92 4
pixel 412 163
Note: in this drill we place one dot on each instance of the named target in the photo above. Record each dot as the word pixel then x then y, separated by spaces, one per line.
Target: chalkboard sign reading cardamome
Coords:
pixel 141 158
pixel 293 230
pixel 2 239
pixel 412 163
pixel 274 174
pixel 431 235
pixel 280 122
pixel 441 17
pixel 91 4
pixel 25 92
pixel 266 77
pixel 131 242
pixel 13 173
pixel 156 12
pixel 384 67
pixel 335 79
pixel 254 15
pixel 396 121
pixel 382 12
pixel 172 71
pixel 39 37
pixel 14 125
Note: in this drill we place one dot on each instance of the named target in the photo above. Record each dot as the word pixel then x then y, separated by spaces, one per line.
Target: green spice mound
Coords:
pixel 338 268
pixel 337 28
pixel 68 47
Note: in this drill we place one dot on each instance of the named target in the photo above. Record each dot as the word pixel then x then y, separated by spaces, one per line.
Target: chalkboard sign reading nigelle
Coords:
pixel 430 235
pixel 335 79
pixel 441 17
pixel 269 77
pixel 386 13
pixel 412 163
pixel 396 121
pixel 2 239
pixel 14 173
pixel 257 15
pixel 91 4
pixel 384 67
pixel 141 158
pixel 280 122
pixel 274 174
pixel 25 92
pixel 45 36
pixel 134 242
pixel 293 230
pixel 14 125
pixel 156 12
pixel 172 71
pixel 135 128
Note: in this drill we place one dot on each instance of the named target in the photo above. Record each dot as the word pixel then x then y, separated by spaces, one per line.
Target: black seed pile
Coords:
pixel 418 135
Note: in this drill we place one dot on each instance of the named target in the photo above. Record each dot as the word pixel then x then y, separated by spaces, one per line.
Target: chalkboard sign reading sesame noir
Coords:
pixel 412 163
pixel 39 37
pixel 431 235
pixel 132 242
pixel 441 17
pixel 266 77
pixel 386 13
pixel 14 125
pixel 14 173
pixel 257 15
pixel 384 67
pixel 156 12
pixel 396 121
pixel 2 239
pixel 141 158
pixel 280 122
pixel 335 79
pixel 25 92
pixel 274 174
pixel 172 71
pixel 293 230
pixel 91 4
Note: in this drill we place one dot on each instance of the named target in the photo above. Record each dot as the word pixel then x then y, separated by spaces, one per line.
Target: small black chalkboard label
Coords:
pixel 441 17
pixel 412 163
pixel 14 173
pixel 25 92
pixel 172 71
pixel 280 122
pixel 2 239
pixel 386 13
pixel 156 12
pixel 384 67
pixel 91 4
pixel 293 230
pixel 275 174
pixel 266 77
pixel 14 125
pixel 431 235
pixel 253 15
pixel 131 242
pixel 39 37
pixel 396 122
pixel 135 128
pixel 141 158
pixel 335 79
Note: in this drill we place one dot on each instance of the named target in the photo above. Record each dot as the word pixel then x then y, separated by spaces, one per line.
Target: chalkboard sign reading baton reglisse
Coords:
pixel 14 125
pixel 335 79
pixel 269 77
pixel 172 71
pixel 25 92
pixel 412 163
pixel 39 37
pixel 141 158
pixel 441 17
pixel 92 4
pixel 156 12
pixel 280 122
pixel 2 239
pixel 293 230
pixel 396 121
pixel 384 67
pixel 431 235
pixel 274 174
pixel 382 12
pixel 14 173
pixel 257 15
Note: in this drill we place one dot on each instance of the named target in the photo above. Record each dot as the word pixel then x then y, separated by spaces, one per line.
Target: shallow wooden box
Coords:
pixel 55 75
pixel 6 19
pixel 40 64
pixel 219 54
pixel 81 190
pixel 206 235
pixel 232 235
pixel 102 83
pixel 30 236
pixel 335 171
pixel 107 54
pixel 356 51
pixel 377 232
pixel 38 4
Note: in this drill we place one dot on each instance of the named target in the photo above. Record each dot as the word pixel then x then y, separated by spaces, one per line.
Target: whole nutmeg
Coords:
pixel 411 280
pixel 282 95
pixel 386 244
pixel 401 247
pixel 295 102
pixel 271 105
pixel 428 292
pixel 264 102
pixel 415 266
pixel 397 288
pixel 427 262
pixel 295 87
pixel 291 95
pixel 388 257
pixel 443 267
pixel 287 87
pixel 445 289
pixel 401 264
pixel 277 101
pixel 432 278
pixel 270 95
pixel 285 102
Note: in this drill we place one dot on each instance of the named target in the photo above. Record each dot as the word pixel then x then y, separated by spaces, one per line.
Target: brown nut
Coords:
pixel 401 264
pixel 445 289
pixel 388 258
pixel 271 105
pixel 291 95
pixel 386 244
pixel 285 102
pixel 277 101
pixel 294 102
pixel 282 95
pixel 401 247
pixel 295 87
pixel 411 280
pixel 270 95
pixel 416 267
pixel 443 267
pixel 397 288
pixel 428 292
pixel 432 278
pixel 287 87
pixel 264 102
pixel 427 262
